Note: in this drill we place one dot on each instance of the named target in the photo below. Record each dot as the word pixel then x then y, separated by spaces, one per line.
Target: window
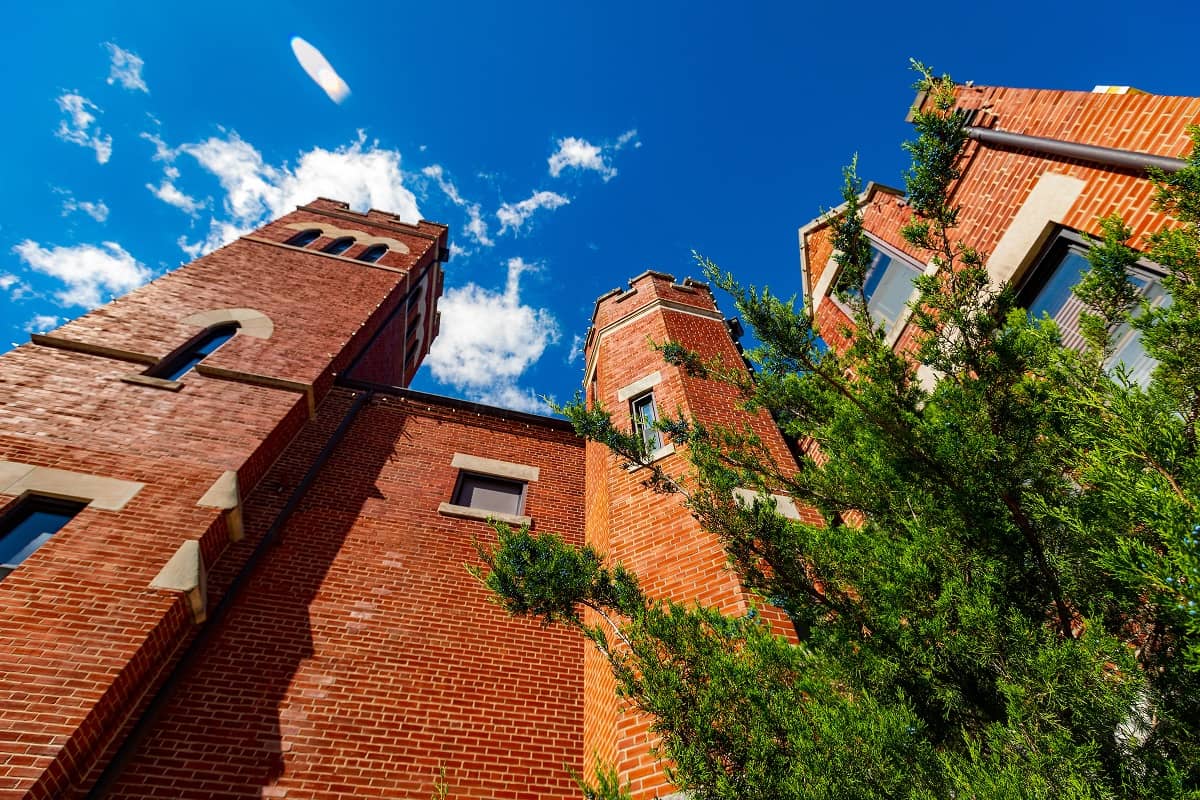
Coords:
pixel 643 414
pixel 180 364
pixel 1047 292
pixel 304 238
pixel 373 253
pixel 888 284
pixel 30 525
pixel 488 493
pixel 339 246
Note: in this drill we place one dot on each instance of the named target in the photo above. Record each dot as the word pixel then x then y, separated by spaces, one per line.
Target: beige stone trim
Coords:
pixel 149 380
pixel 109 494
pixel 185 572
pixel 491 466
pixel 359 236
pixel 1051 198
pixel 250 322
pixel 354 261
pixel 225 494
pixel 662 452
pixel 784 505
pixel 58 342
pixel 270 382
pixel 639 386
pixel 351 216
pixel 466 512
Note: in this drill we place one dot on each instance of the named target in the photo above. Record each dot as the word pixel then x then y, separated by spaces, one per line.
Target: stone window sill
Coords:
pixel 466 512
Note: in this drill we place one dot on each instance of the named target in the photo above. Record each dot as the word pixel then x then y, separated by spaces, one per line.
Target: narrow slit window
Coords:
pixel 304 238
pixel 339 246
pixel 488 493
pixel 30 525
pixel 373 253
pixel 643 414
pixel 183 363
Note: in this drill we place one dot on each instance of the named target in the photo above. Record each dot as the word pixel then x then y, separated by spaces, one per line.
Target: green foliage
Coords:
pixel 1002 599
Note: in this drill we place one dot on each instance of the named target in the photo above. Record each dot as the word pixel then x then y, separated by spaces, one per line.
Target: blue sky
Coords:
pixel 568 146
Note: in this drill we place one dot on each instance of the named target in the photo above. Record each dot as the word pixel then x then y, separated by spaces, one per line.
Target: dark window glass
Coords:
pixel 888 286
pixel 1048 292
pixel 338 246
pixel 489 494
pixel 30 525
pixel 644 414
pixel 373 253
pixel 304 238
pixel 183 363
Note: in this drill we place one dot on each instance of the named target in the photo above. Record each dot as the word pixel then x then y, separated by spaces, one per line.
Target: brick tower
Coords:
pixel 237 540
pixel 654 536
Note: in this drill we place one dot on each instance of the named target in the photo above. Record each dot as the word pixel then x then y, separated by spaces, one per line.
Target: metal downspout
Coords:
pixel 1110 156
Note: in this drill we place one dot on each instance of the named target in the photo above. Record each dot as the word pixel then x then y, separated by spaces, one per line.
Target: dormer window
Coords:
pixel 304 238
pixel 373 253
pixel 339 246
pixel 178 365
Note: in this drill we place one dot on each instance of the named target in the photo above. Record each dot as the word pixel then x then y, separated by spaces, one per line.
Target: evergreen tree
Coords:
pixel 1002 599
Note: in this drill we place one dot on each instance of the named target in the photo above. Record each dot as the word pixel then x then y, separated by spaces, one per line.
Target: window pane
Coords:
pixel 490 494
pixel 888 286
pixel 304 238
pixel 339 245
pixel 1129 350
pixel 373 253
pixel 644 414
pixel 30 526
pixel 1057 301
pixel 198 352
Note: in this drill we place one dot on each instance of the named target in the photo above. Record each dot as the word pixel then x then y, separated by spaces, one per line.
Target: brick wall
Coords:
pixel 654 535
pixel 362 659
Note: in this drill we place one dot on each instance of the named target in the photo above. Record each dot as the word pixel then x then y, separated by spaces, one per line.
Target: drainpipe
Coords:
pixel 1095 154
pixel 154 709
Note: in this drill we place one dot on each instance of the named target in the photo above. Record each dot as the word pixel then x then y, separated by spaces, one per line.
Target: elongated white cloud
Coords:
pixel 17 289
pixel 489 339
pixel 513 216
pixel 170 194
pixel 320 70
pixel 125 69
pixel 78 129
pixel 91 273
pixel 475 228
pixel 362 174
pixel 580 154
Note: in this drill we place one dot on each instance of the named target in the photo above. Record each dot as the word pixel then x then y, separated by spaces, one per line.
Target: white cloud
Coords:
pixel 513 215
pixel 576 153
pixel 320 70
pixel 161 151
pixel 362 174
pixel 15 287
pixel 97 210
pixel 576 349
pixel 489 339
pixel 90 273
pixel 170 194
pixel 475 228
pixel 41 323
pixel 126 69
pixel 77 128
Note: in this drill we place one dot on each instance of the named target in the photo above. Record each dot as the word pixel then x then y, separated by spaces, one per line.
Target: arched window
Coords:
pixel 339 246
pixel 304 238
pixel 179 364
pixel 373 253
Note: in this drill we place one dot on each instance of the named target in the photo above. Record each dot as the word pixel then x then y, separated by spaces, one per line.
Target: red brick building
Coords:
pixel 254 585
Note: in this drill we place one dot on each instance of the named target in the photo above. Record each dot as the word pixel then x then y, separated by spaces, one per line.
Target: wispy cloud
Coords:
pixel 41 323
pixel 320 70
pixel 576 349
pixel 489 339
pixel 580 154
pixel 361 173
pixel 16 288
pixel 78 129
pixel 513 216
pixel 91 274
pixel 97 210
pixel 125 69
pixel 475 228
